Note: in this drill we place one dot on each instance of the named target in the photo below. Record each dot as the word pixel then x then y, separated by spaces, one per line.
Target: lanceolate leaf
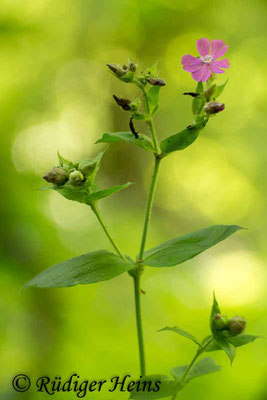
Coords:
pixel 203 367
pixel 198 102
pixel 183 139
pixel 64 163
pixel 84 196
pixel 178 372
pixel 142 141
pixel 183 248
pixel 100 194
pixel 153 99
pixel 89 268
pixel 227 347
pixel 220 89
pixel 182 333
pixel 215 309
pixel 167 387
pixel 236 341
pixel 180 140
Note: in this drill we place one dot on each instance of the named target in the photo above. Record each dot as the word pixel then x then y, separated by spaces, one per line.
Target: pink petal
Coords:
pixel 222 63
pixel 203 46
pixel 217 65
pixel 202 74
pixel 218 49
pixel 190 63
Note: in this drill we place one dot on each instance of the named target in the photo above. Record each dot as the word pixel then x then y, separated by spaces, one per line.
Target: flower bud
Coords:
pixel 57 176
pixel 213 107
pixel 76 178
pixel 132 67
pixel 236 325
pixel 86 167
pixel 219 322
pixel 123 103
pixel 156 81
pixel 117 69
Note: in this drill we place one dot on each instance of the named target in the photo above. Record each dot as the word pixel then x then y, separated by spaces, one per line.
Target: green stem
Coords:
pixel 198 353
pixel 96 211
pixel 150 122
pixel 138 271
pixel 137 275
pixel 149 207
pixel 137 292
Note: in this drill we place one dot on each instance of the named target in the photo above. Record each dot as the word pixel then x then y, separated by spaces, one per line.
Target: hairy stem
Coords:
pixel 100 219
pixel 198 353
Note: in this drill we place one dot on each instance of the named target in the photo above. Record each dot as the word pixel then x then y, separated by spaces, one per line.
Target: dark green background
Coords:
pixel 56 94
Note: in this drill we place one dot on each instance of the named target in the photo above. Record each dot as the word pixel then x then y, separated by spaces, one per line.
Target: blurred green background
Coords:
pixel 56 94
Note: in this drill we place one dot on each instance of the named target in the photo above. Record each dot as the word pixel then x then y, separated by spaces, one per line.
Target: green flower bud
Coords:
pixel 236 325
pixel 213 107
pixel 76 178
pixel 86 167
pixel 219 322
pixel 156 81
pixel 57 176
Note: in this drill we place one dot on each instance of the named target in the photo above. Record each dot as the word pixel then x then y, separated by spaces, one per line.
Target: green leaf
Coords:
pixel 153 99
pixel 97 160
pixel 84 196
pixel 142 141
pixel 203 367
pixel 178 372
pixel 220 89
pixel 153 70
pixel 185 247
pixel 215 309
pixel 183 139
pixel 167 387
pixel 236 341
pixel 93 267
pixel 67 165
pixel 198 102
pixel 100 194
pixel 227 347
pixel 181 332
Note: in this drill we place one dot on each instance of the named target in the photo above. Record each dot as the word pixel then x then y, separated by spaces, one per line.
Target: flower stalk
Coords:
pixel 106 230
pixel 200 351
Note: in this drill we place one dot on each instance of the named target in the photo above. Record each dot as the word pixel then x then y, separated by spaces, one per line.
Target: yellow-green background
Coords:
pixel 56 94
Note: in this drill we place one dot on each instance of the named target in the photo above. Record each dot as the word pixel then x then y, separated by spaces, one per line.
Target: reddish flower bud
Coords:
pixel 213 107
pixel 116 69
pixel 156 81
pixel 236 325
pixel 57 176
pixel 123 103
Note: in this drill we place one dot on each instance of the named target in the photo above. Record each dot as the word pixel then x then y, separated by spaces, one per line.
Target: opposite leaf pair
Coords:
pixel 185 373
pixel 76 181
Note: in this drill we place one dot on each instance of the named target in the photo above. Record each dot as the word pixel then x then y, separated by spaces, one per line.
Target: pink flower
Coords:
pixel 202 67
